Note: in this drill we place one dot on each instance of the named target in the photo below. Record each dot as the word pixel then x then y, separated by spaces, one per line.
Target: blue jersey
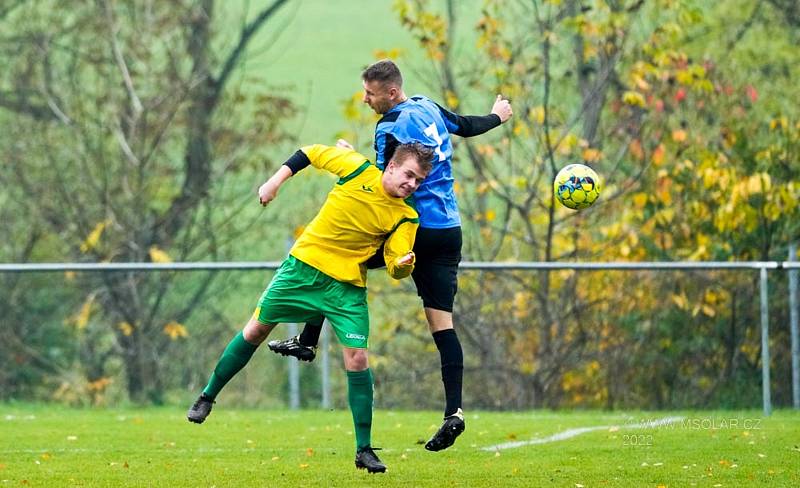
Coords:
pixel 418 119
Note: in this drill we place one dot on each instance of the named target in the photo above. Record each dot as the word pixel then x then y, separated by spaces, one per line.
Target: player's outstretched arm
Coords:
pixel 475 125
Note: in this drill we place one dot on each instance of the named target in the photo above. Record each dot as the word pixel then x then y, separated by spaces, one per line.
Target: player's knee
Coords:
pixel 438 319
pixel 255 332
pixel 356 359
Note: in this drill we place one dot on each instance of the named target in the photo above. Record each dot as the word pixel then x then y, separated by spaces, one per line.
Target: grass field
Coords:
pixel 55 446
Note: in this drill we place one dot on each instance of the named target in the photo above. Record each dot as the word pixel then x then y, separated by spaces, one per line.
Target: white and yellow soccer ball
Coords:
pixel 576 186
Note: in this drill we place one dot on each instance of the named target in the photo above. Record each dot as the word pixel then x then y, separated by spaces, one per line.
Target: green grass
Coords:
pixel 55 446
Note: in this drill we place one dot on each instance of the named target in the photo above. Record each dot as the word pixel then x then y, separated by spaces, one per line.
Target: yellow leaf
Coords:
pixel 93 238
pixel 641 84
pixel 680 301
pixel 159 256
pixel 567 144
pixel 658 155
pixel 99 384
pixel 779 123
pixel 521 129
pixel 635 148
pixel 537 114
pixel 452 100
pixel 125 328
pixel 175 330
pixel 728 137
pixel 81 319
pixel 633 98
pixel 591 155
pixel 679 135
pixel 393 53
pixel 486 150
pixel 490 215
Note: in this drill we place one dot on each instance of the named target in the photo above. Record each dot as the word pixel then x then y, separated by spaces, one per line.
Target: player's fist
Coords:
pixel 344 144
pixel 267 192
pixel 406 259
pixel 502 108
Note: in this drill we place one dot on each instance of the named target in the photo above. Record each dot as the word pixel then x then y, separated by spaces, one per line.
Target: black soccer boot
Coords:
pixel 367 459
pixel 292 347
pixel 451 428
pixel 200 409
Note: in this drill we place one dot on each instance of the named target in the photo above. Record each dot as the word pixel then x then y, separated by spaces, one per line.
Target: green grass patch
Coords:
pixel 56 446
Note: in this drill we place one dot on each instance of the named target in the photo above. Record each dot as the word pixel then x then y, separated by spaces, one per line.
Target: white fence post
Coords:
pixel 793 319
pixel 765 390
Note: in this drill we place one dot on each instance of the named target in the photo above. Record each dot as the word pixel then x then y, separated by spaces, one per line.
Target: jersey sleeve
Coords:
pixel 468 125
pixel 337 160
pixel 399 243
pixel 385 144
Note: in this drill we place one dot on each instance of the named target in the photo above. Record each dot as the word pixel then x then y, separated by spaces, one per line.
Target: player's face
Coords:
pixel 379 97
pixel 403 177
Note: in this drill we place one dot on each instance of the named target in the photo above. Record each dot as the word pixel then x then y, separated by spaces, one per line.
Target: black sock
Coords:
pixel 310 335
pixel 452 368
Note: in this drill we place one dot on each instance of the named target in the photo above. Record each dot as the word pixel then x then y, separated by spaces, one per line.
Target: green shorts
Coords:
pixel 299 293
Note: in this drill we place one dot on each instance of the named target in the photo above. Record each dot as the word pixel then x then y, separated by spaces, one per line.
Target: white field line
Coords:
pixel 568 434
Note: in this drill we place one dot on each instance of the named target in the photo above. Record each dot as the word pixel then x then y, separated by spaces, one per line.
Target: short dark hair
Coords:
pixel 384 72
pixel 422 153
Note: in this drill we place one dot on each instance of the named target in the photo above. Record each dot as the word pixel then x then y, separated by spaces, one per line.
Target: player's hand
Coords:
pixel 344 144
pixel 406 260
pixel 502 108
pixel 267 192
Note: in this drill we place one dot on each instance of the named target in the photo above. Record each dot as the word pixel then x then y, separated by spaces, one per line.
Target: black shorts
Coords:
pixel 438 252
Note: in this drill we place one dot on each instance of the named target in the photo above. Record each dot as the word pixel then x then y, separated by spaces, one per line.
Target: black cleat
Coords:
pixel 292 347
pixel 452 427
pixel 200 409
pixel 367 459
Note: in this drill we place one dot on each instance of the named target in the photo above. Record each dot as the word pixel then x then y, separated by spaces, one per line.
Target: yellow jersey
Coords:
pixel 356 218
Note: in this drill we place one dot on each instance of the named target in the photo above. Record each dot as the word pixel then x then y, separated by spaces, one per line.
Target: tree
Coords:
pixel 136 133
pixel 636 90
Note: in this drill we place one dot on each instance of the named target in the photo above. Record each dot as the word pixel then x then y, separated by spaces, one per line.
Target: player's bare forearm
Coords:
pixel 269 190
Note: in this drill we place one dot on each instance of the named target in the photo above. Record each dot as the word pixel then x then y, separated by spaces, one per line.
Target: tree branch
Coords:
pixel 244 39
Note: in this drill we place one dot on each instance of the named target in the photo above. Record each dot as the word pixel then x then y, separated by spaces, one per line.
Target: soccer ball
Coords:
pixel 576 186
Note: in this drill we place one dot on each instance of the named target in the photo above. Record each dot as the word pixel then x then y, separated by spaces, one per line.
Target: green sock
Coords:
pixel 359 394
pixel 233 359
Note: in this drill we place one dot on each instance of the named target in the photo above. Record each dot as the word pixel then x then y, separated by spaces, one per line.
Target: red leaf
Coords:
pixel 752 93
